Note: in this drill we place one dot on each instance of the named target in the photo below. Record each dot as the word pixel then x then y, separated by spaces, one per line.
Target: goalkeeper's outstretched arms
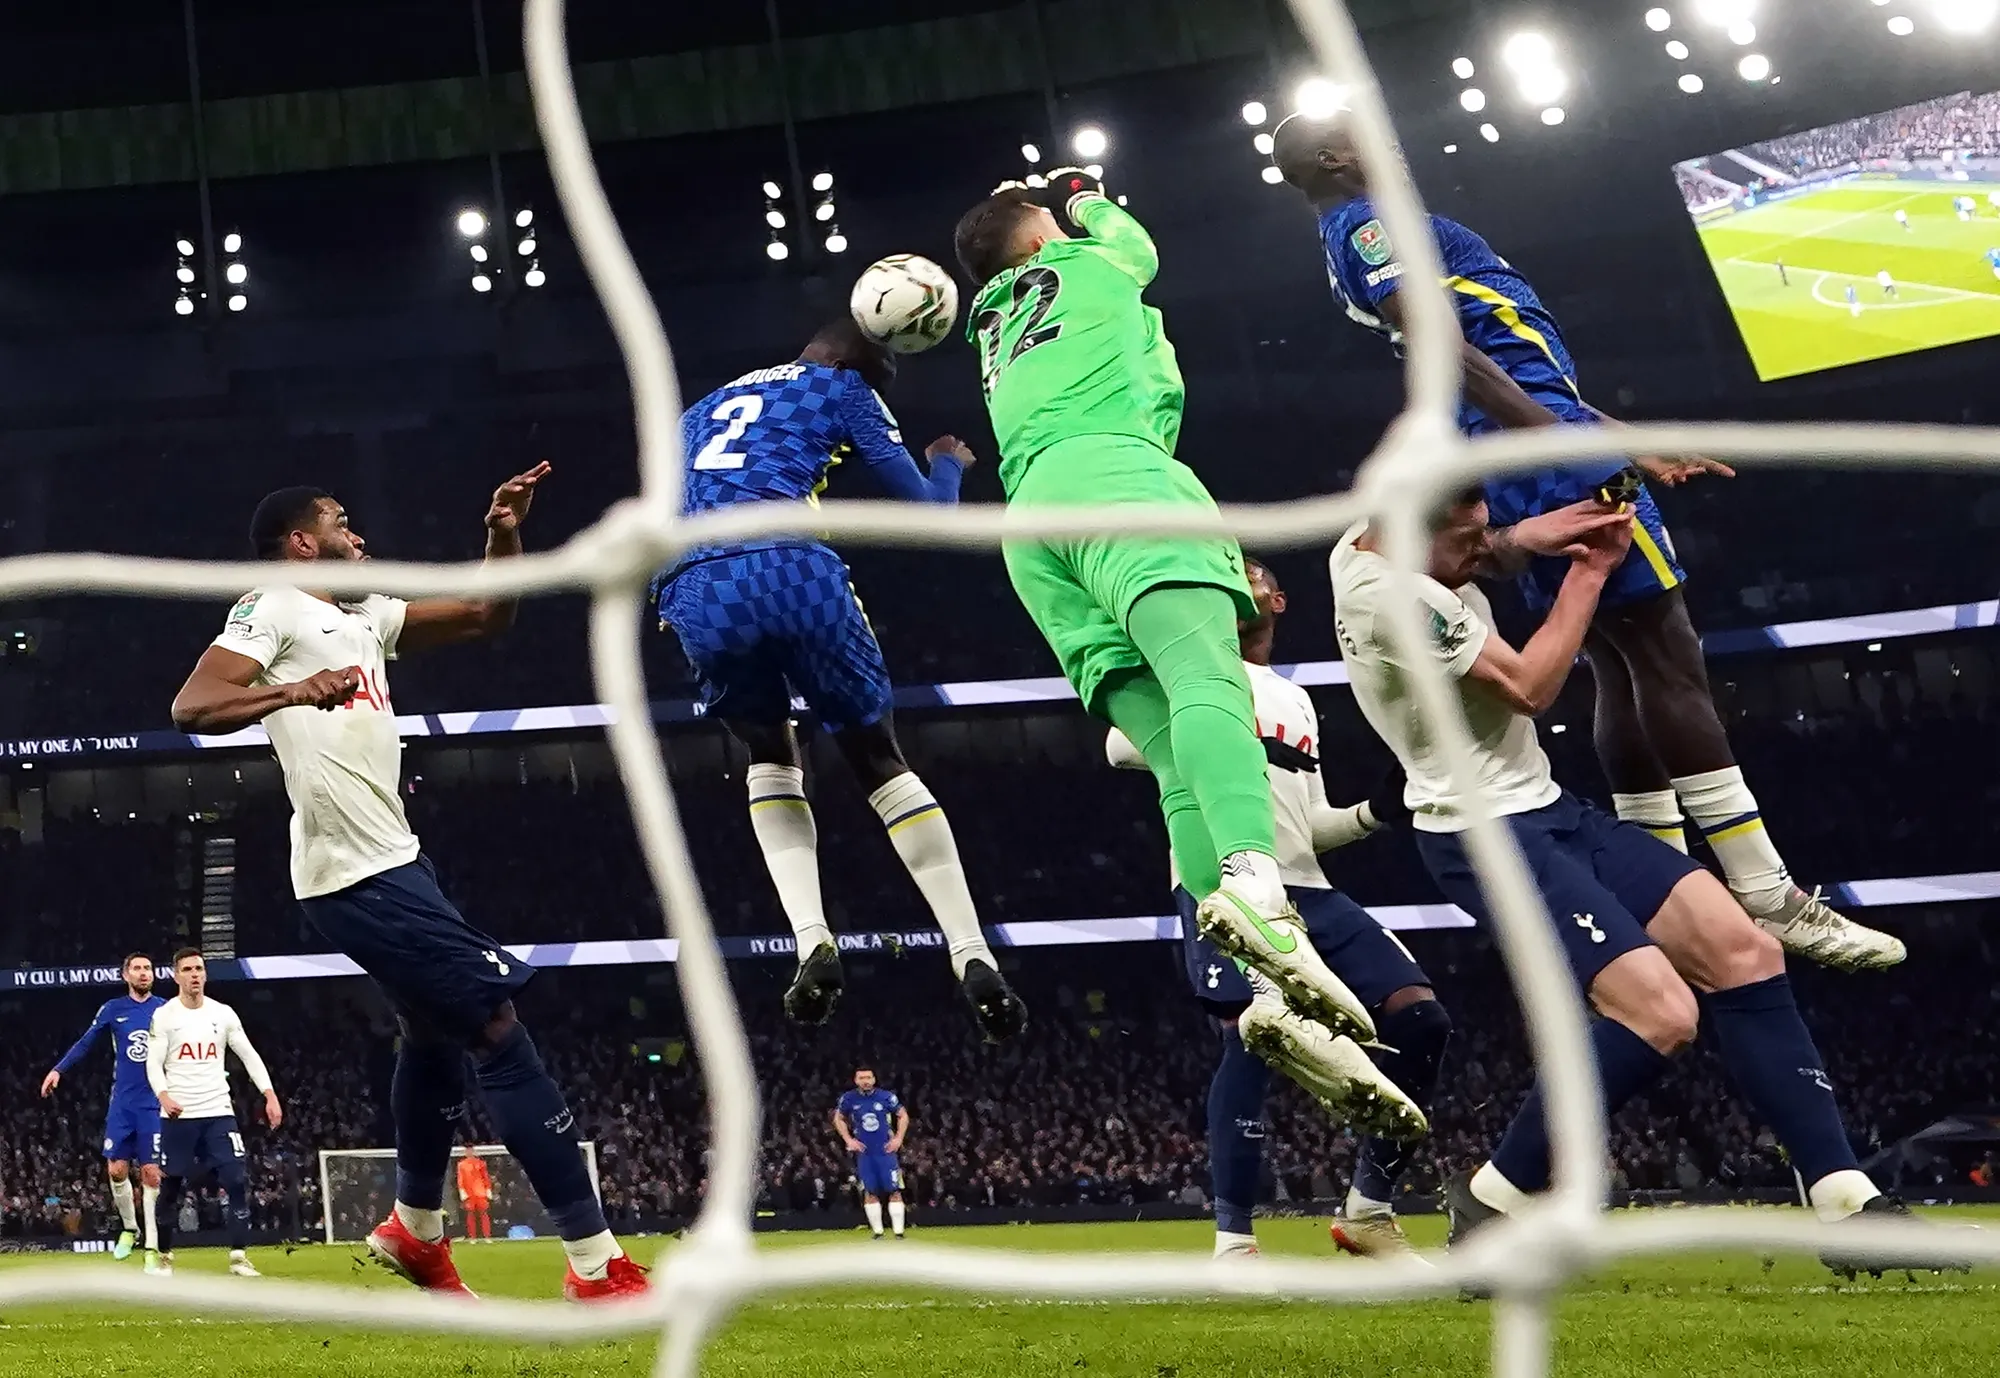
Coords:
pixel 1075 196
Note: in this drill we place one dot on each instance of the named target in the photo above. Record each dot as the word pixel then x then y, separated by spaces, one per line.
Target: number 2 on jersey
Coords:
pixel 1044 284
pixel 739 412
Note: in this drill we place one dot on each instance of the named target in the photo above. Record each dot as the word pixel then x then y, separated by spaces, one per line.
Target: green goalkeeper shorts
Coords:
pixel 1080 591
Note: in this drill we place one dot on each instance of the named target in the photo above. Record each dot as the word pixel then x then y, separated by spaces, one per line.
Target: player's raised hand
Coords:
pixel 50 1082
pixel 274 1113
pixel 327 690
pixel 512 499
pixel 1566 531
pixel 1604 549
pixel 950 446
pixel 1676 471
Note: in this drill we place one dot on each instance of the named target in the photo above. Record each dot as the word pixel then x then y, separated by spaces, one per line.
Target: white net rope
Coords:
pixel 1522 1262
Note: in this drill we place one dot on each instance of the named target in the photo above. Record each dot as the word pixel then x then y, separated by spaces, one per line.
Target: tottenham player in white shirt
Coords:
pixel 1639 921
pixel 1386 1096
pixel 185 1052
pixel 314 670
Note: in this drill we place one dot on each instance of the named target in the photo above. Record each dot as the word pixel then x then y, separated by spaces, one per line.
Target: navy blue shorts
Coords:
pixel 438 971
pixel 1370 959
pixel 191 1146
pixel 1603 879
pixel 761 625
pixel 880 1173
pixel 1650 569
pixel 132 1130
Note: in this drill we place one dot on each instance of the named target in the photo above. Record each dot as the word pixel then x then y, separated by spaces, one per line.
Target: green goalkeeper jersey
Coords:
pixel 1067 348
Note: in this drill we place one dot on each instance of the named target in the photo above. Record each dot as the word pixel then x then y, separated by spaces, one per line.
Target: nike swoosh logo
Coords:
pixel 328 631
pixel 1283 941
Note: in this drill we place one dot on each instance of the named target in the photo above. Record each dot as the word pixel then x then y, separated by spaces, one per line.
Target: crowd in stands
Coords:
pixel 1961 126
pixel 1101 1101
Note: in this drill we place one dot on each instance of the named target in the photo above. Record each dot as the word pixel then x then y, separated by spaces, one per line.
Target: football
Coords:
pixel 905 301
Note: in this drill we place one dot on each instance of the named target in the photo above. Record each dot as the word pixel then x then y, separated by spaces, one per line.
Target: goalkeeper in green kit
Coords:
pixel 1085 397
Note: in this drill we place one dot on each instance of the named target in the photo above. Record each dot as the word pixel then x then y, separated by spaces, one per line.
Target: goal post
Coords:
pixel 357 1186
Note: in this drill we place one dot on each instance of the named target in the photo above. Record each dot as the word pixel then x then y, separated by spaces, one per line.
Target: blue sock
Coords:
pixel 236 1214
pixel 1418 1033
pixel 427 1099
pixel 1626 1065
pixel 538 1129
pixel 1770 1053
pixel 1236 1133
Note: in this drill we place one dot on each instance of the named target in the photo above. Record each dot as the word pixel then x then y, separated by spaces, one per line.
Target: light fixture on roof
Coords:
pixel 1966 16
pixel 1742 33
pixel 1319 99
pixel 238 302
pixel 1271 174
pixel 1089 142
pixel 822 181
pixel 1462 68
pixel 1254 112
pixel 232 243
pixel 1902 26
pixel 1031 153
pixel 1677 50
pixel 1754 67
pixel 1264 143
pixel 1489 133
pixel 1690 83
pixel 1553 116
pixel 523 218
pixel 777 251
pixel 1472 99
pixel 471 223
pixel 1658 20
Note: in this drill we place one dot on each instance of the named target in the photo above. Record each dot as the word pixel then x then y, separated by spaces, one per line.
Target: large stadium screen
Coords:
pixel 1862 240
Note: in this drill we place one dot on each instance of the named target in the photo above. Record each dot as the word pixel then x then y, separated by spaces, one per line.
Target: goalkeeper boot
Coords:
pixel 122 1250
pixel 1888 1208
pixel 815 991
pixel 622 1278
pixel 995 1008
pixel 427 1263
pixel 1805 924
pixel 1277 946
pixel 1331 1069
pixel 1467 1212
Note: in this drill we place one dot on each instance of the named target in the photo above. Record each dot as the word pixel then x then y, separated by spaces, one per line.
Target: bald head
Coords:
pixel 1317 155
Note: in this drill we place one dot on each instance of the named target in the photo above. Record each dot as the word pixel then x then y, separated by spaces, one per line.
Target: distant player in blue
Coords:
pixel 1993 261
pixel 132 1119
pixel 872 1123
pixel 1853 300
pixel 764 619
pixel 1658 734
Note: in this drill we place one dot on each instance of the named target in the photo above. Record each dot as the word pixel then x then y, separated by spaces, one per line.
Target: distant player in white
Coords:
pixel 1638 920
pixel 1903 219
pixel 185 1054
pixel 1887 284
pixel 314 670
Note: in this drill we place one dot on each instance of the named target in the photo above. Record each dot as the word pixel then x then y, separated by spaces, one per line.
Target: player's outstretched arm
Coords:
pixel 1118 235
pixel 260 1076
pixel 76 1052
pixel 1529 679
pixel 429 622
pixel 875 436
pixel 219 695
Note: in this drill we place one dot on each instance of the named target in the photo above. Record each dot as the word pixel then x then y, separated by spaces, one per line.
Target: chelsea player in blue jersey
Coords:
pixel 763 619
pixel 132 1119
pixel 1658 734
pixel 872 1123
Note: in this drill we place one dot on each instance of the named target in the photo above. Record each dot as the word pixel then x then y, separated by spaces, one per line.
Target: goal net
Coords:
pixel 1524 1263
pixel 358 1185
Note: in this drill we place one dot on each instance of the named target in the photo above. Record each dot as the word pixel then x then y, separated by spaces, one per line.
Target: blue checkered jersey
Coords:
pixel 774 435
pixel 1497 308
pixel 871 1117
pixel 1993 257
pixel 131 1024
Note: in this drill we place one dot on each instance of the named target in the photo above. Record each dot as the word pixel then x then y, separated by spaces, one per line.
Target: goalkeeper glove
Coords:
pixel 1385 806
pixel 1285 756
pixel 1059 191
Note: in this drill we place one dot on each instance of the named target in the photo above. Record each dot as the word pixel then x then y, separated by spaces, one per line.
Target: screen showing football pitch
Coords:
pixel 1865 239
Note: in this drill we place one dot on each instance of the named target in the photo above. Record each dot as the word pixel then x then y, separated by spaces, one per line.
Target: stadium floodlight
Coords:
pixel 836 243
pixel 1902 26
pixel 1543 86
pixel 1264 143
pixel 1254 112
pixel 238 302
pixel 772 191
pixel 1528 51
pixel 471 224
pixel 1031 152
pixel 775 218
pixel 823 212
pixel 1966 16
pixel 1658 20
pixel 1489 133
pixel 523 218
pixel 1723 13
pixel 479 253
pixel 1690 83
pixel 1742 33
pixel 822 181
pixel 185 247
pixel 481 283
pixel 236 273
pixel 534 277
pixel 184 274
pixel 1317 98
pixel 232 243
pixel 1462 68
pixel 1754 67
pixel 1271 174
pixel 1553 116
pixel 1089 142
pixel 526 248
pixel 777 251
pixel 1473 99
pixel 1677 50
pixel 1451 148
pixel 183 305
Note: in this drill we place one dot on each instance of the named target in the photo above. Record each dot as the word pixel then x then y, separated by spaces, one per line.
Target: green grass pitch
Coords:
pixel 1845 235
pixel 1693 1317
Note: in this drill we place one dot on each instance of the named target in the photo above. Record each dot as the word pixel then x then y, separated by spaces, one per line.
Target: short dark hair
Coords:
pixel 279 515
pixel 984 238
pixel 181 954
pixel 132 957
pixel 843 338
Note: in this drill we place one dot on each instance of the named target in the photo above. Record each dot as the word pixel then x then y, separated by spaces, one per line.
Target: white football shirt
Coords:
pixel 1507 754
pixel 184 1056
pixel 342 767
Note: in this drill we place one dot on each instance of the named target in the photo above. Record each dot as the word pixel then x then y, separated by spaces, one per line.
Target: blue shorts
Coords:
pixel 1650 569
pixel 132 1130
pixel 438 971
pixel 880 1173
pixel 761 625
pixel 1603 879
pixel 191 1146
pixel 1370 959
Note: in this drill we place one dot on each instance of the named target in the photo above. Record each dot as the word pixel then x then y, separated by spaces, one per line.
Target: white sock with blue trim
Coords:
pixel 786 834
pixel 1725 810
pixel 922 837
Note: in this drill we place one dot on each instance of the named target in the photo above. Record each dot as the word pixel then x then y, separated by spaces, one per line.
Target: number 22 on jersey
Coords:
pixel 740 413
pixel 1044 285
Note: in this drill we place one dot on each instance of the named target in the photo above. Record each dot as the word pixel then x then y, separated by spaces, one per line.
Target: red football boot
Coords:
pixel 622 1278
pixel 427 1265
